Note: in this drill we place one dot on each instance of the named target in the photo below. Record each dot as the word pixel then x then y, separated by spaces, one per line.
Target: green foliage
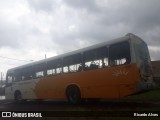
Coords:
pixel 153 95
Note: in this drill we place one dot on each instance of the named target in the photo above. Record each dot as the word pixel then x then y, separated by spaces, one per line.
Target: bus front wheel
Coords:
pixel 73 94
pixel 17 96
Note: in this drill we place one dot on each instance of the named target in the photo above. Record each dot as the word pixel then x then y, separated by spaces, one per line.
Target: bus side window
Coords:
pixel 17 75
pixel 58 66
pixel 40 74
pixel 119 54
pixel 39 70
pixel 54 67
pixel 59 70
pixel 80 68
pixel 27 73
pixel 72 63
pixel 97 58
pixel 51 72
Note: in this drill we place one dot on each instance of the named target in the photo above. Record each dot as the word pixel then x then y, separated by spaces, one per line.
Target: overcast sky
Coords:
pixel 29 29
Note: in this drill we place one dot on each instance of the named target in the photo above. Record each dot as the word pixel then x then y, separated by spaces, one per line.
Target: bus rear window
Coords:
pixel 119 54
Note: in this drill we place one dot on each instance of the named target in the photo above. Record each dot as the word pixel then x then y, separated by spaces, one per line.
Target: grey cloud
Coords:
pixel 94 23
pixel 138 17
pixel 43 5
pixel 89 5
pixel 152 39
pixel 9 35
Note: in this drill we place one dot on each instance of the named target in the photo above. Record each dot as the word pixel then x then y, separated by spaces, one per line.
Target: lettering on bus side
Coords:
pixel 120 72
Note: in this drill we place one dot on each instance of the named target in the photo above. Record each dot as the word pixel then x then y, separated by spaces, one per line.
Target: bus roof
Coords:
pixel 106 43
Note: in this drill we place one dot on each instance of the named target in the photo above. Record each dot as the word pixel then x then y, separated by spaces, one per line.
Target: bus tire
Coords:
pixel 17 96
pixel 73 94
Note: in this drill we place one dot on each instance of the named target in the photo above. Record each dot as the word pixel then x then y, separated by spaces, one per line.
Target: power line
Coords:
pixel 16 59
pixel 8 64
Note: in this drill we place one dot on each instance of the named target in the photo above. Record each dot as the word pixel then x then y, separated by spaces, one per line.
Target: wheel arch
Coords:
pixel 17 92
pixel 73 85
pixel 73 94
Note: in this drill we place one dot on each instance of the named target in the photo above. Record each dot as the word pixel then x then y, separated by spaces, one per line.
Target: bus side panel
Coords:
pixel 127 89
pixel 111 82
pixel 51 87
pixel 27 88
pixel 101 92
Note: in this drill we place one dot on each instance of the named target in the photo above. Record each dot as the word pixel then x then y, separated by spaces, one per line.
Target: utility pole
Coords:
pixel 45 56
pixel 1 76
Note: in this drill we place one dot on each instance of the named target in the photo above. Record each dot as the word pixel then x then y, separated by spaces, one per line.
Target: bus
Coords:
pixel 108 70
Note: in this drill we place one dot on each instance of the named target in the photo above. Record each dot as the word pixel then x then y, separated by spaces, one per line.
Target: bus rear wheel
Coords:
pixel 73 95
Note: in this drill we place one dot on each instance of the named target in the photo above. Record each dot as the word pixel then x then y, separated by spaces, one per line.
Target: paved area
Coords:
pixel 61 105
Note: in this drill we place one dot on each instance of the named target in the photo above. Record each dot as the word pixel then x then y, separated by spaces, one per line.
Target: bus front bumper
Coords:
pixel 144 86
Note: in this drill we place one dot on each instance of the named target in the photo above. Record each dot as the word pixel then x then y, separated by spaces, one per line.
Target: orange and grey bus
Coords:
pixel 111 69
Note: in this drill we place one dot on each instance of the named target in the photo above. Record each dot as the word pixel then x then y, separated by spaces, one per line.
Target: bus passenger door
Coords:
pixel 8 87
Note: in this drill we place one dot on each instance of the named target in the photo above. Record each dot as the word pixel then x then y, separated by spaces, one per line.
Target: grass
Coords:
pixel 149 96
pixel 153 95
